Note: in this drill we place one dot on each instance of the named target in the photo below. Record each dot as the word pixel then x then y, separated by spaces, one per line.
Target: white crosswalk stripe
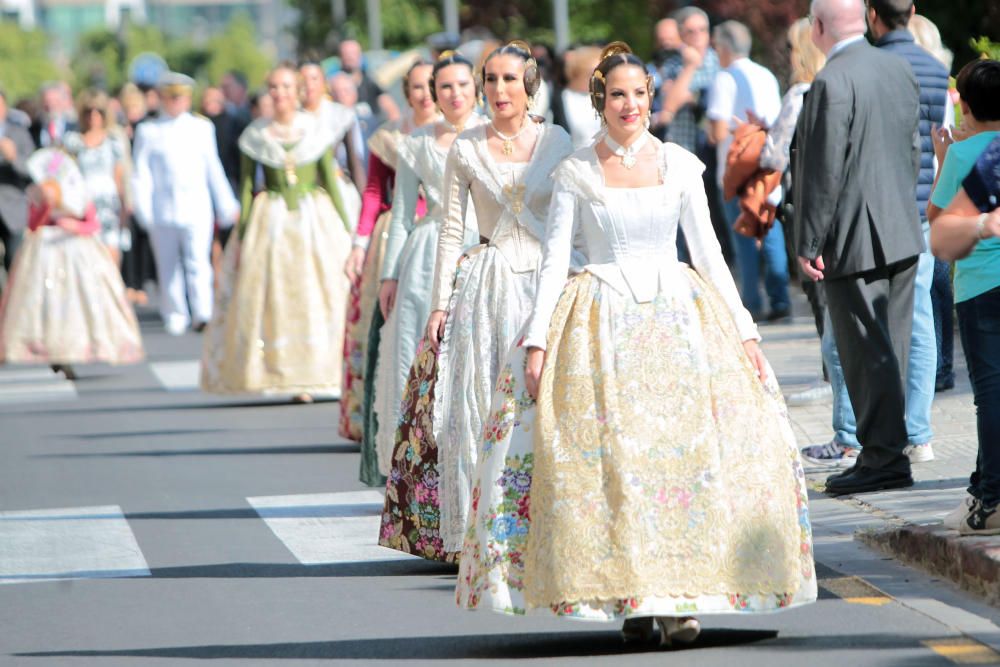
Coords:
pixel 68 543
pixel 177 375
pixel 328 527
pixel 32 384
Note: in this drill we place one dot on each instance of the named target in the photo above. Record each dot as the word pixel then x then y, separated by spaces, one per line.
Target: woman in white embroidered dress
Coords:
pixel 408 267
pixel 505 168
pixel 280 305
pixel 624 493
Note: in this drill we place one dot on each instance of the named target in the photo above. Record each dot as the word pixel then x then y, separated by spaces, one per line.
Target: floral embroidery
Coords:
pixel 411 517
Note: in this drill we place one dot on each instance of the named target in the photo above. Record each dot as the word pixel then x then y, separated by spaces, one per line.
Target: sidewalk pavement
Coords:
pixel 909 521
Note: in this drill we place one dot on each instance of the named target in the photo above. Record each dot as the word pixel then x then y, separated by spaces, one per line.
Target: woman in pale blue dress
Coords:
pixel 408 267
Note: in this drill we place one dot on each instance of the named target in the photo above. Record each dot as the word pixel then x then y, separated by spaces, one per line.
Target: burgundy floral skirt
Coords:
pixel 412 515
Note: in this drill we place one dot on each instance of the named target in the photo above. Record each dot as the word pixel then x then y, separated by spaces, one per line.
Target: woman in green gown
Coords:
pixel 280 303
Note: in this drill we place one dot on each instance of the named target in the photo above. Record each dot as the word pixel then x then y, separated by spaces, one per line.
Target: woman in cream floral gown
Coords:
pixel 502 170
pixel 624 493
pixel 278 323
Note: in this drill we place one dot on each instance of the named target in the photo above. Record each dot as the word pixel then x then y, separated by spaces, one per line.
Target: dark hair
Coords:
pixel 613 55
pixel 420 62
pixel 895 14
pixel 239 77
pixel 532 78
pixel 978 84
pixel 447 59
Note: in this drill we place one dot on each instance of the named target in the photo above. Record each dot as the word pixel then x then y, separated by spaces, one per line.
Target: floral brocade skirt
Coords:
pixel 411 519
pixel 626 490
pixel 364 301
pixel 278 323
pixel 65 303
pixel 488 308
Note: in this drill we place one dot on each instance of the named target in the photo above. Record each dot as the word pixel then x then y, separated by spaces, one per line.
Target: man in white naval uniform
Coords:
pixel 180 189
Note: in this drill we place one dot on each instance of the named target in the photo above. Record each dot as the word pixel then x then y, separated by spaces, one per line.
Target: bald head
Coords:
pixel 837 20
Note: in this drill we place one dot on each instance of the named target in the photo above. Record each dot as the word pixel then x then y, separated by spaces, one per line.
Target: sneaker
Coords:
pixel 981 520
pixel 919 453
pixel 818 394
pixel 953 519
pixel 831 454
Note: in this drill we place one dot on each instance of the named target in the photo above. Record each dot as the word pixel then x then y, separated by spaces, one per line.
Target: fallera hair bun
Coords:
pixel 615 49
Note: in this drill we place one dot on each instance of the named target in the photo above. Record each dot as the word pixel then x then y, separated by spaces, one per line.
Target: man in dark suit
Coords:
pixel 15 147
pixel 858 228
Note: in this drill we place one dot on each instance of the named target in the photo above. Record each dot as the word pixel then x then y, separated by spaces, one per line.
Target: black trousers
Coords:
pixel 872 317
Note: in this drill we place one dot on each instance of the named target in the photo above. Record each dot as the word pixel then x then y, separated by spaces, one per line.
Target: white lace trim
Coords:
pixel 552 146
pixel 260 146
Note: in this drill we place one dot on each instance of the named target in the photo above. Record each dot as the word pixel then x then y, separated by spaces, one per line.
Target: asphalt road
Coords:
pixel 141 519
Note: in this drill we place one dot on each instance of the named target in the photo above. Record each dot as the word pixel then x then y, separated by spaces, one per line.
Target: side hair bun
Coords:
pixel 613 55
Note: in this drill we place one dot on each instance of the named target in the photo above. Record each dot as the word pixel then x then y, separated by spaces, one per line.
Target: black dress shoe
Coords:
pixel 842 473
pixel 862 480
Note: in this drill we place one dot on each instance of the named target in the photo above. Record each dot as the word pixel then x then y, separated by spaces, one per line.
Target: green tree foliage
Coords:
pixel 988 48
pixel 24 61
pixel 405 23
pixel 102 57
pixel 236 48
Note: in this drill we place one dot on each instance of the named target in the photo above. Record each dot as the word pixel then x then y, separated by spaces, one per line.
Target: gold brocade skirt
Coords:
pixel 356 343
pixel 281 302
pixel 656 475
pixel 65 303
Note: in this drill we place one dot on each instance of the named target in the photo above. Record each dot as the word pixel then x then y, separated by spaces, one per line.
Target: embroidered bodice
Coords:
pixel 627 237
pixel 420 169
pixel 511 215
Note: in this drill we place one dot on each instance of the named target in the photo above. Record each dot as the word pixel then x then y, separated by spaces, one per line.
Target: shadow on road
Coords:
pixel 503 646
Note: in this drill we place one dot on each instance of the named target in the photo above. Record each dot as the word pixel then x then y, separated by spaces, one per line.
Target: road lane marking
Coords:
pixel 33 384
pixel 855 590
pixel 327 528
pixel 963 651
pixel 68 543
pixel 177 375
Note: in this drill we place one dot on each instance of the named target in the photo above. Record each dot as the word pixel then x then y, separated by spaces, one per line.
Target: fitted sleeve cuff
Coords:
pixel 361 242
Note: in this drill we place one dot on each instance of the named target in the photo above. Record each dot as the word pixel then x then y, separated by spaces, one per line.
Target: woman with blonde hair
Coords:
pixel 806 61
pixel 278 323
pixel 102 155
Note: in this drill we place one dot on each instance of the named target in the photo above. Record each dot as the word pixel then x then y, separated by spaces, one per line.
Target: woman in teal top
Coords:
pixel 281 301
pixel 968 230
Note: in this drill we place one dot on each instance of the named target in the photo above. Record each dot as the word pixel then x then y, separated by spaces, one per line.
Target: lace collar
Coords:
pixel 260 145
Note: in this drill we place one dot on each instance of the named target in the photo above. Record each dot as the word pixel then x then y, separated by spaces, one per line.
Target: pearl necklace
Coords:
pixel 627 154
pixel 457 129
pixel 508 142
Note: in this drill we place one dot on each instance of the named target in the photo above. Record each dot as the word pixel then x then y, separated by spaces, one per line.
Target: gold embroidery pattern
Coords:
pixel 634 498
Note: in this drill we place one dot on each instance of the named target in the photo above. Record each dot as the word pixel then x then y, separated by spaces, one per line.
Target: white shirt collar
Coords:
pixel 843 44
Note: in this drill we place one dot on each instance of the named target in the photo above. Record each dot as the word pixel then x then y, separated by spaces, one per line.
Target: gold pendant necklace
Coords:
pixel 627 154
pixel 508 142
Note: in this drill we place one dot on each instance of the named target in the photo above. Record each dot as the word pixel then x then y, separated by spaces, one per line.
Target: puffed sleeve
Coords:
pixel 557 249
pixel 706 255
pixel 450 243
pixel 404 209
pixel 371 200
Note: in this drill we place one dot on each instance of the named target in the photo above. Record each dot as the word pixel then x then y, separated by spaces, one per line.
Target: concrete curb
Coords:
pixel 973 563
